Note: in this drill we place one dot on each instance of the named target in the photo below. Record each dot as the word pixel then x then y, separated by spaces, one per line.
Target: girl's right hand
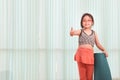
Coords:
pixel 75 32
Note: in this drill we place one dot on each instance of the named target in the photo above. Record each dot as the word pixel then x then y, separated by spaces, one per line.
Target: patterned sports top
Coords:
pixel 87 39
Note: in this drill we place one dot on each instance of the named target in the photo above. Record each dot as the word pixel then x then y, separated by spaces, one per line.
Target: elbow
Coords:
pixel 100 47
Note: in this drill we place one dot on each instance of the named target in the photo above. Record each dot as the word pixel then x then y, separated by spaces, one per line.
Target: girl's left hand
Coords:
pixel 106 54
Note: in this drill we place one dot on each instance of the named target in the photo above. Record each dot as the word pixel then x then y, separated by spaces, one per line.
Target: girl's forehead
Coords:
pixel 86 16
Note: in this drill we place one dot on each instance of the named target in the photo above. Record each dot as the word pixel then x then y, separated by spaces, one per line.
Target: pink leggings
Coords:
pixel 85 71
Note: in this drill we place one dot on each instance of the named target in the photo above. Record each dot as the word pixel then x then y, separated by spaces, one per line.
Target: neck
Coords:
pixel 87 29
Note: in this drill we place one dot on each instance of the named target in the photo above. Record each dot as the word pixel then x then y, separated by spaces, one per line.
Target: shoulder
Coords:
pixel 94 31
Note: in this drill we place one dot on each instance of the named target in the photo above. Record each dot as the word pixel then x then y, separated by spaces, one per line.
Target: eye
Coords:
pixel 84 20
pixel 89 20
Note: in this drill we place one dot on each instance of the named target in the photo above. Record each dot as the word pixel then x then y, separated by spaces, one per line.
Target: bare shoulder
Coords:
pixel 95 32
pixel 96 35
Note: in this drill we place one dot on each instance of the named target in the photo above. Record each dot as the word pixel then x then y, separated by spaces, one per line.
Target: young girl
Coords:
pixel 85 53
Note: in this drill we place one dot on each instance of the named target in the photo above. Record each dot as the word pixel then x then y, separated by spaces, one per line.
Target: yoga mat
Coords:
pixel 101 67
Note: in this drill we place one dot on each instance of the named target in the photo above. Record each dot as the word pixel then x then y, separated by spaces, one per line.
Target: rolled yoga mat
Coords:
pixel 101 67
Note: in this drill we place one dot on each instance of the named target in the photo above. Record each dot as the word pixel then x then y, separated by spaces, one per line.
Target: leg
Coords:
pixel 82 71
pixel 90 69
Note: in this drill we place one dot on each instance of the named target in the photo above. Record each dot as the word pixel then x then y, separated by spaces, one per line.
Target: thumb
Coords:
pixel 71 28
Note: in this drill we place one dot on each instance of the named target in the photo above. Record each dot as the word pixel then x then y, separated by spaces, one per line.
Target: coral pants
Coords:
pixel 85 71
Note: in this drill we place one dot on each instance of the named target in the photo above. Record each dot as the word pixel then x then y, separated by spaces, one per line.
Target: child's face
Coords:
pixel 87 22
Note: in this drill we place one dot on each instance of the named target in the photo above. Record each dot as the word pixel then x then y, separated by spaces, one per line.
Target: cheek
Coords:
pixel 92 23
pixel 83 23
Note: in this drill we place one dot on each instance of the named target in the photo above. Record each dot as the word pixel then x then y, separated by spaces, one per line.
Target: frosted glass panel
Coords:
pixel 19 43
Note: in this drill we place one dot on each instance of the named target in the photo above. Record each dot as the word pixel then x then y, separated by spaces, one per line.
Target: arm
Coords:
pixel 100 46
pixel 74 32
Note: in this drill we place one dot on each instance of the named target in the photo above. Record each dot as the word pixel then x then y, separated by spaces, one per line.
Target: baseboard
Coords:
pixel 116 79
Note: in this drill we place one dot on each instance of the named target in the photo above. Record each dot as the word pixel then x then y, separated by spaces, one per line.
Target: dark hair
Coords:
pixel 86 14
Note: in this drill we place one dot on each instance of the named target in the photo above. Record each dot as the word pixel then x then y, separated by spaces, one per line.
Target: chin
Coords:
pixel 87 27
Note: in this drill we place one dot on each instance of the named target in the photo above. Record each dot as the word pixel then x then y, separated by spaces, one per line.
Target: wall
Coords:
pixel 35 42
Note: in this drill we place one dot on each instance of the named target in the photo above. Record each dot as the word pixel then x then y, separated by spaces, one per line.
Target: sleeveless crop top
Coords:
pixel 86 39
